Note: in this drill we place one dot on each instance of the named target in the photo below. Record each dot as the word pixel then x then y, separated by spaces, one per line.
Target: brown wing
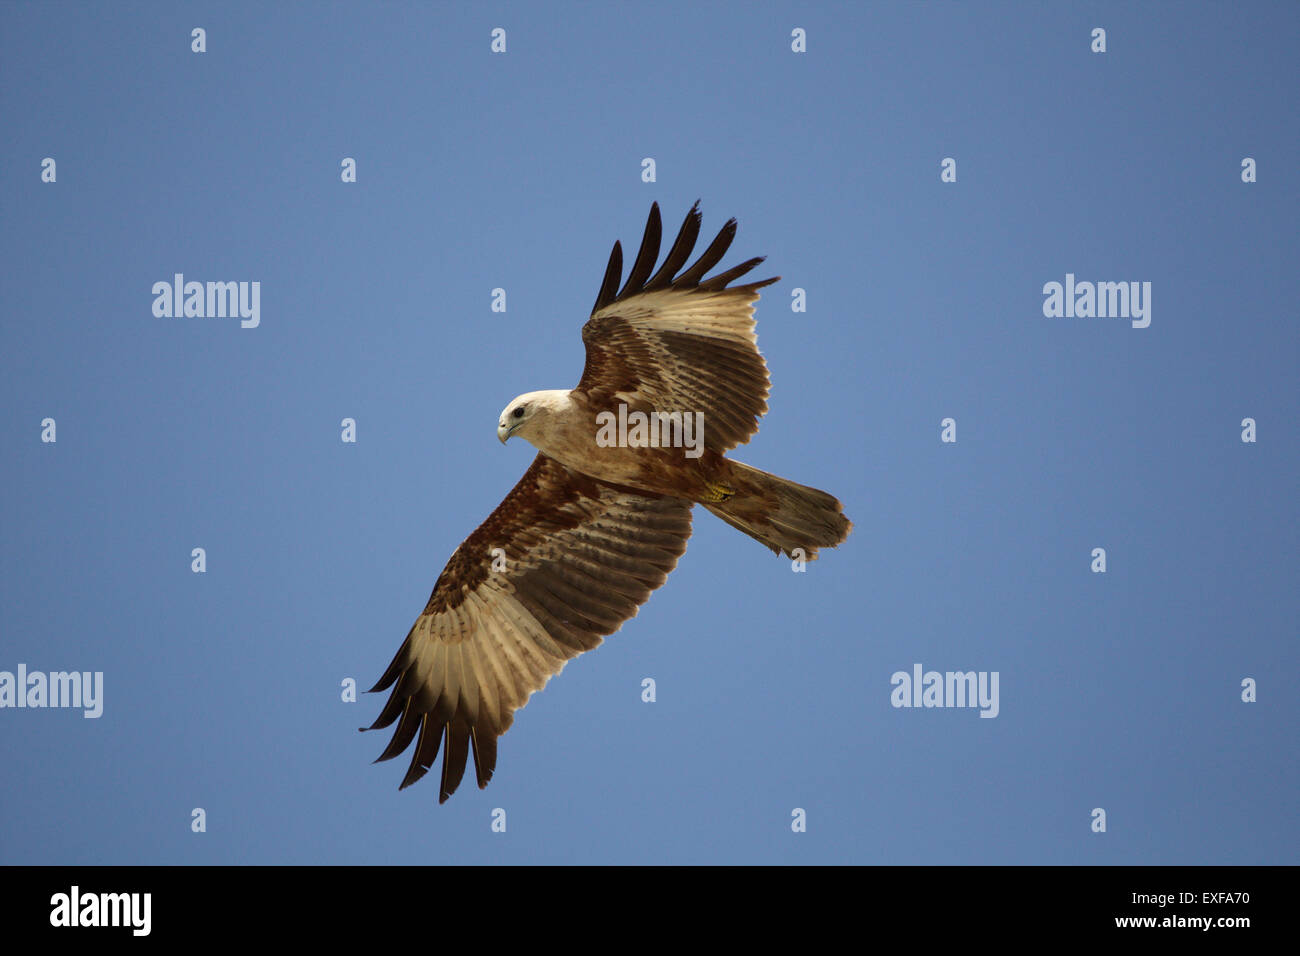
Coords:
pixel 679 343
pixel 580 556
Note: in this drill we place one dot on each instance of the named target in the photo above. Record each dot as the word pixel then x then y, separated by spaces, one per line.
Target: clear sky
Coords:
pixel 476 170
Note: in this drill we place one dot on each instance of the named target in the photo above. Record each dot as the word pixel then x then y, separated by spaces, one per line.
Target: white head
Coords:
pixel 529 416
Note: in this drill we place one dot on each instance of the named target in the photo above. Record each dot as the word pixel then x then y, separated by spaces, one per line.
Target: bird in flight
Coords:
pixel 673 380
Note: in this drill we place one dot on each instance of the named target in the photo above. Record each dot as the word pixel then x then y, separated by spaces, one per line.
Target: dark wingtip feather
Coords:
pixel 680 251
pixel 454 757
pixel 639 279
pixel 389 714
pixel 613 272
pixel 485 754
pixel 410 723
pixel 425 752
pixel 646 255
pixel 717 249
pixel 721 280
pixel 412 775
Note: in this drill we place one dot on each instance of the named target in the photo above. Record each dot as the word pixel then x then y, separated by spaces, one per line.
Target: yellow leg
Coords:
pixel 715 492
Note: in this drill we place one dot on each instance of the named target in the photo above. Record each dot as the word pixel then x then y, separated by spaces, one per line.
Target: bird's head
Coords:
pixel 526 415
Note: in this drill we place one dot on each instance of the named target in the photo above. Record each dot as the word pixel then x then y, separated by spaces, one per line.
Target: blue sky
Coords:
pixel 1119 690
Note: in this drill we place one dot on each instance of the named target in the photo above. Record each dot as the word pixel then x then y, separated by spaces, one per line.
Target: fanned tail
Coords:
pixel 786 516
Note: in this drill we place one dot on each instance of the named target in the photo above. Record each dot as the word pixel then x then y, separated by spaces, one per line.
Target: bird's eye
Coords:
pixel 518 412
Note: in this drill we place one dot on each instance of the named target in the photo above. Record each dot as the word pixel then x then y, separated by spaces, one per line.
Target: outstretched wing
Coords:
pixel 679 343
pixel 577 558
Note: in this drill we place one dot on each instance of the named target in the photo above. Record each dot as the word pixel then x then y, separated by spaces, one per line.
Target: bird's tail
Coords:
pixel 789 518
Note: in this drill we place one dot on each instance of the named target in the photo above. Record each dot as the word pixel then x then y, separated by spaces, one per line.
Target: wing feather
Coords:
pixel 485 755
pixel 404 733
pixel 425 751
pixel 581 557
pixel 453 760
pixel 646 255
pixel 613 272
pixel 680 252
pixel 681 343
pixel 711 257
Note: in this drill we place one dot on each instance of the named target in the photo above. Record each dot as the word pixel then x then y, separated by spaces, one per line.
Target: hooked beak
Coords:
pixel 503 432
